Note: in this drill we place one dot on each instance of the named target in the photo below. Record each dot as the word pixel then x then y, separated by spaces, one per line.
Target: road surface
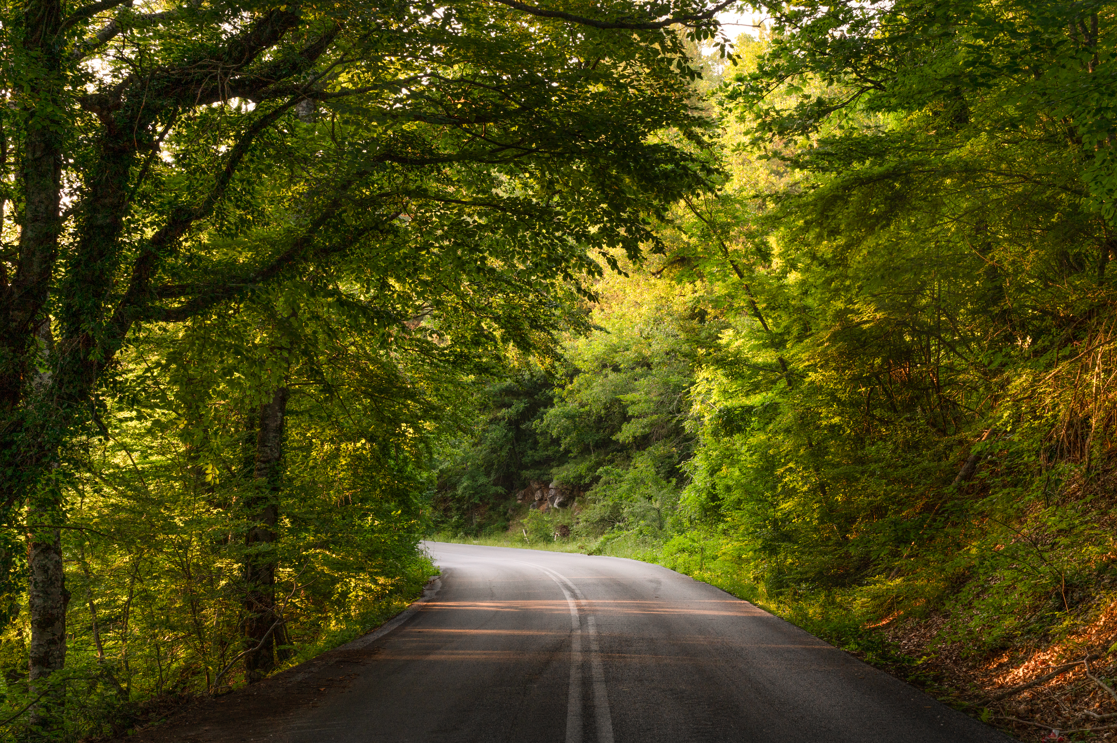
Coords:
pixel 525 646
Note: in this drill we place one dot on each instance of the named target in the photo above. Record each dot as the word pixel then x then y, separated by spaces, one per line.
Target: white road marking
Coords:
pixel 601 713
pixel 574 698
pixel 600 698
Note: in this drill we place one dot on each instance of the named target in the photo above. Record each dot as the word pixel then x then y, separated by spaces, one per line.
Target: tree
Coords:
pixel 171 159
pixel 927 234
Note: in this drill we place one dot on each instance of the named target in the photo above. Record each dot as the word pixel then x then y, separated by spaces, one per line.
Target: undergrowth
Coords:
pixel 106 717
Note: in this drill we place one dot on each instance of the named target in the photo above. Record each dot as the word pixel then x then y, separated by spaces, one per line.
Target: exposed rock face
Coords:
pixel 542 495
pixel 532 493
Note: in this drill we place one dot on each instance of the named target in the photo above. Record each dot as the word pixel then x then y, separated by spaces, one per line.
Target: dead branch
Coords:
pixel 1096 716
pixel 1086 730
pixel 1060 731
pixel 1027 722
pixel 1108 689
pixel 1057 671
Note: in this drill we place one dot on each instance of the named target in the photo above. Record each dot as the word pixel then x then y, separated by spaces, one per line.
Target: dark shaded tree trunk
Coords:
pixel 48 598
pixel 264 633
pixel 47 594
pixel 24 293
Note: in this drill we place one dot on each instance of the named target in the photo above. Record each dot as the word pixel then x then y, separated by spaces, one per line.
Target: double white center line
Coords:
pixel 597 671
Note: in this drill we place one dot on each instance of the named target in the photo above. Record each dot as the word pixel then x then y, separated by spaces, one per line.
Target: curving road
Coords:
pixel 521 645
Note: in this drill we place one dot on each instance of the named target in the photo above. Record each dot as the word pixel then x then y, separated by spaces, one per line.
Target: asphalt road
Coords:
pixel 522 645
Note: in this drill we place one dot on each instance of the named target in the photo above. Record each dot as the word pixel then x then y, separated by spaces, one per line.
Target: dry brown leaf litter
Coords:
pixel 1072 703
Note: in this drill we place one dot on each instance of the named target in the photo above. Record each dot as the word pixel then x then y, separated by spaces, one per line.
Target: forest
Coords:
pixel 819 313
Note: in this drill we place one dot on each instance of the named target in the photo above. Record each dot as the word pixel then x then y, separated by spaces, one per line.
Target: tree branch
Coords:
pixel 88 11
pixel 245 652
pixel 683 20
pixel 116 26
pixel 208 296
pixel 744 282
pixel 217 75
pixel 163 241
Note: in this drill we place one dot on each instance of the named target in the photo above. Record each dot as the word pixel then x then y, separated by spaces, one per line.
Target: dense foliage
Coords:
pixel 610 416
pixel 277 281
pixel 252 257
pixel 902 401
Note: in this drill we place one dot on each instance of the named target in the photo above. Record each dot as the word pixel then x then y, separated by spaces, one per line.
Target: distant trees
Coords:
pixel 609 417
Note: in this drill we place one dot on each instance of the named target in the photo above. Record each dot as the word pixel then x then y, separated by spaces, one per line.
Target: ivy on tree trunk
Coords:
pixel 264 633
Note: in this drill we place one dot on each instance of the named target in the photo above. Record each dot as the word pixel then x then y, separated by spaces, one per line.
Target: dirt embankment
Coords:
pixel 1040 691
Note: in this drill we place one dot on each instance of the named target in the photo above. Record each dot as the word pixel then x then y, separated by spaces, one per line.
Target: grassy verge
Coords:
pixel 366 616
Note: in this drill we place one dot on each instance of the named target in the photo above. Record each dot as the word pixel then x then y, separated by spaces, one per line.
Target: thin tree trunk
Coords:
pixel 264 630
pixel 47 594
pixel 756 313
pixel 48 598
pixel 93 625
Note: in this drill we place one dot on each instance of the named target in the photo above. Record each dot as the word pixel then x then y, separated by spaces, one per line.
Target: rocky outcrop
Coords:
pixel 542 495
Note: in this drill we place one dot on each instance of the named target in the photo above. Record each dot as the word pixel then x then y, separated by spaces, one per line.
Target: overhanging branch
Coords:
pixel 207 297
pixel 683 20
pixel 119 24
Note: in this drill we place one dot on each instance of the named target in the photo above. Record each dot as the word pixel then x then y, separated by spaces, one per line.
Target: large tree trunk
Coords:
pixel 40 164
pixel 47 594
pixel 26 445
pixel 264 630
pixel 23 294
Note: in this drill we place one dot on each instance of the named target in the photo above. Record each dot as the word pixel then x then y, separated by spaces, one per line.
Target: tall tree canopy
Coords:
pixel 443 165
